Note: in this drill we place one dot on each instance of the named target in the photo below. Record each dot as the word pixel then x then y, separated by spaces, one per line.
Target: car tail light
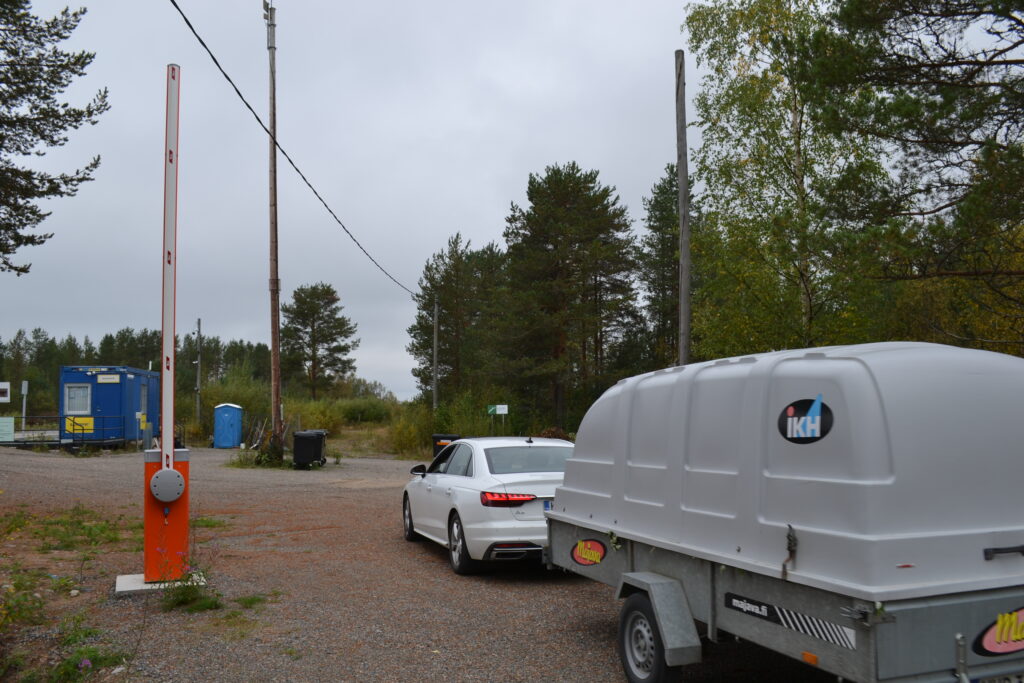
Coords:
pixel 493 499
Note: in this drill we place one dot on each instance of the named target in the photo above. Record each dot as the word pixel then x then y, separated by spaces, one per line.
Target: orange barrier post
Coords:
pixel 165 534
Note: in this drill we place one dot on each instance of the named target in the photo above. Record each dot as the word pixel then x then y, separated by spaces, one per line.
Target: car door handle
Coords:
pixel 429 487
pixel 448 492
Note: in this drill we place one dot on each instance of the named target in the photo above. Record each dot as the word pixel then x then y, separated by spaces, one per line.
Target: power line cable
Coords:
pixel 281 149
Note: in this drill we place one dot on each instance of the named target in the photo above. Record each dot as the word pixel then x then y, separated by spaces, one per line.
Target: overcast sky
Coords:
pixel 414 120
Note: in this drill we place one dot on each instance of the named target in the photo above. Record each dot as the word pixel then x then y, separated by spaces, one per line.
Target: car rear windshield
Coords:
pixel 510 459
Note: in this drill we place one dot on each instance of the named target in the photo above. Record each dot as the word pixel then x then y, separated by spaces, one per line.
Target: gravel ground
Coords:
pixel 350 599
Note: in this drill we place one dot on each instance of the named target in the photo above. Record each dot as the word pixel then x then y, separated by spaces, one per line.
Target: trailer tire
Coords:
pixel 640 646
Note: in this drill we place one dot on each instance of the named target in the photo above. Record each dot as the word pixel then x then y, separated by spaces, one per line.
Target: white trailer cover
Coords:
pixel 895 464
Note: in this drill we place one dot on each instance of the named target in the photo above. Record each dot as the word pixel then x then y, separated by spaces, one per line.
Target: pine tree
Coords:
pixel 465 283
pixel 570 289
pixel 35 72
pixel 318 335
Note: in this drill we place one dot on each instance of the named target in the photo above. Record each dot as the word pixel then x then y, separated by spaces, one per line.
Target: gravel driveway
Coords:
pixel 349 598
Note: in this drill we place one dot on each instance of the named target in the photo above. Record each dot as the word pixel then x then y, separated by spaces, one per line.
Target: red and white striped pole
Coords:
pixel 166 498
pixel 169 267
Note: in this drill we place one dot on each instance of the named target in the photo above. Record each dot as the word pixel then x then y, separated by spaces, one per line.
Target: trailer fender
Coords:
pixel 672 612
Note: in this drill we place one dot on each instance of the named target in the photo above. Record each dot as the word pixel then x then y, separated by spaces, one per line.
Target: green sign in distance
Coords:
pixel 500 409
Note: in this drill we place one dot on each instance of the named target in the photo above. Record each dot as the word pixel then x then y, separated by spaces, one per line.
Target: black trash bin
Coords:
pixel 442 440
pixel 308 448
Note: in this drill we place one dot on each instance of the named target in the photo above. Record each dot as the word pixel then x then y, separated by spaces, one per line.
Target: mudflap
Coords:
pixel 671 610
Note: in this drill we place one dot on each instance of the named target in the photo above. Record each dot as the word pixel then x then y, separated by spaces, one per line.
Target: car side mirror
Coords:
pixel 420 470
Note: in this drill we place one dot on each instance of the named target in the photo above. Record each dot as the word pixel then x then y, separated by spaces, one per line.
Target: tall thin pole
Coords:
pixel 277 438
pixel 683 179
pixel 435 354
pixel 199 367
pixel 170 260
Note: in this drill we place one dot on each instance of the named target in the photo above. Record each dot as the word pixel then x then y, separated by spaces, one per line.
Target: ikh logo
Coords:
pixel 1006 635
pixel 805 421
pixel 588 552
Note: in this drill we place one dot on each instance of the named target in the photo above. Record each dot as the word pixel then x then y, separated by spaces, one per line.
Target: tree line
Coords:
pixel 859 179
pixel 316 341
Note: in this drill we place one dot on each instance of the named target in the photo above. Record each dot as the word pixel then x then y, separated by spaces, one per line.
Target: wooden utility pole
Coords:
pixel 277 419
pixel 683 179
pixel 435 354
pixel 199 368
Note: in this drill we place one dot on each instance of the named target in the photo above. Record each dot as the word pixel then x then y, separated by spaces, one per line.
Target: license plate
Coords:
pixel 547 505
pixel 1005 678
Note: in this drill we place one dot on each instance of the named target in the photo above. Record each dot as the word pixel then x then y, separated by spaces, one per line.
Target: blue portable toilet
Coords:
pixel 227 425
pixel 108 405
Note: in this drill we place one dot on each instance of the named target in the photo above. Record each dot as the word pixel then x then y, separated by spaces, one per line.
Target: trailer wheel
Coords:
pixel 640 646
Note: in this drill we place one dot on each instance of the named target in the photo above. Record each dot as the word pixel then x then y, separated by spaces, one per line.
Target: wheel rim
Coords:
pixel 407 516
pixel 639 645
pixel 455 542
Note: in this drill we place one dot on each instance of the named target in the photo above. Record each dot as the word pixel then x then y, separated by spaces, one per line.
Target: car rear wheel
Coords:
pixel 407 526
pixel 458 553
pixel 640 646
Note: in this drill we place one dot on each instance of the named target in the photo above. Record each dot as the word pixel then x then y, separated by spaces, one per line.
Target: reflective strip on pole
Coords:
pixel 170 260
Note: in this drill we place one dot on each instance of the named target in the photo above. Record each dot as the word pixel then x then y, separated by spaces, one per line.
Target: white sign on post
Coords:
pixel 5 392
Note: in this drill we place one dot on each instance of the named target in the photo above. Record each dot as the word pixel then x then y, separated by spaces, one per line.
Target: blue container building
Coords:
pixel 108 405
pixel 227 425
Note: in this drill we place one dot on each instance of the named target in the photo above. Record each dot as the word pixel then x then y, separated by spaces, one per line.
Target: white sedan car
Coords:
pixel 484 499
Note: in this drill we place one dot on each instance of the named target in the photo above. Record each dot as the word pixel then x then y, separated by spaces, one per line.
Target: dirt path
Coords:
pixel 347 598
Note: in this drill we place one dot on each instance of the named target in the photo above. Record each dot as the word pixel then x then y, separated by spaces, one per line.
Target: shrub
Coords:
pixel 410 431
pixel 359 410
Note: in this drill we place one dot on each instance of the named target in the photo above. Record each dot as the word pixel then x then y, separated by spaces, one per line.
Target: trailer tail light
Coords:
pixel 493 499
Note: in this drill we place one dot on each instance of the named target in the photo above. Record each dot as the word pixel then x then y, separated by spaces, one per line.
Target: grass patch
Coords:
pixel 11 664
pixel 359 442
pixel 20 601
pixel 85 662
pixel 77 528
pixel 234 625
pixel 136 540
pixel 208 523
pixel 11 522
pixel 74 632
pixel 62 584
pixel 191 595
pixel 251 601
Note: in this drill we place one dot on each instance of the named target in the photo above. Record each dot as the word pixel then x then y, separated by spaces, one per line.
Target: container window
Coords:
pixel 77 399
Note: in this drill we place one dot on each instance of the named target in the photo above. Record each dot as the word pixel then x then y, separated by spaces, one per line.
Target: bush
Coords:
pixel 359 410
pixel 411 429
pixel 334 414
